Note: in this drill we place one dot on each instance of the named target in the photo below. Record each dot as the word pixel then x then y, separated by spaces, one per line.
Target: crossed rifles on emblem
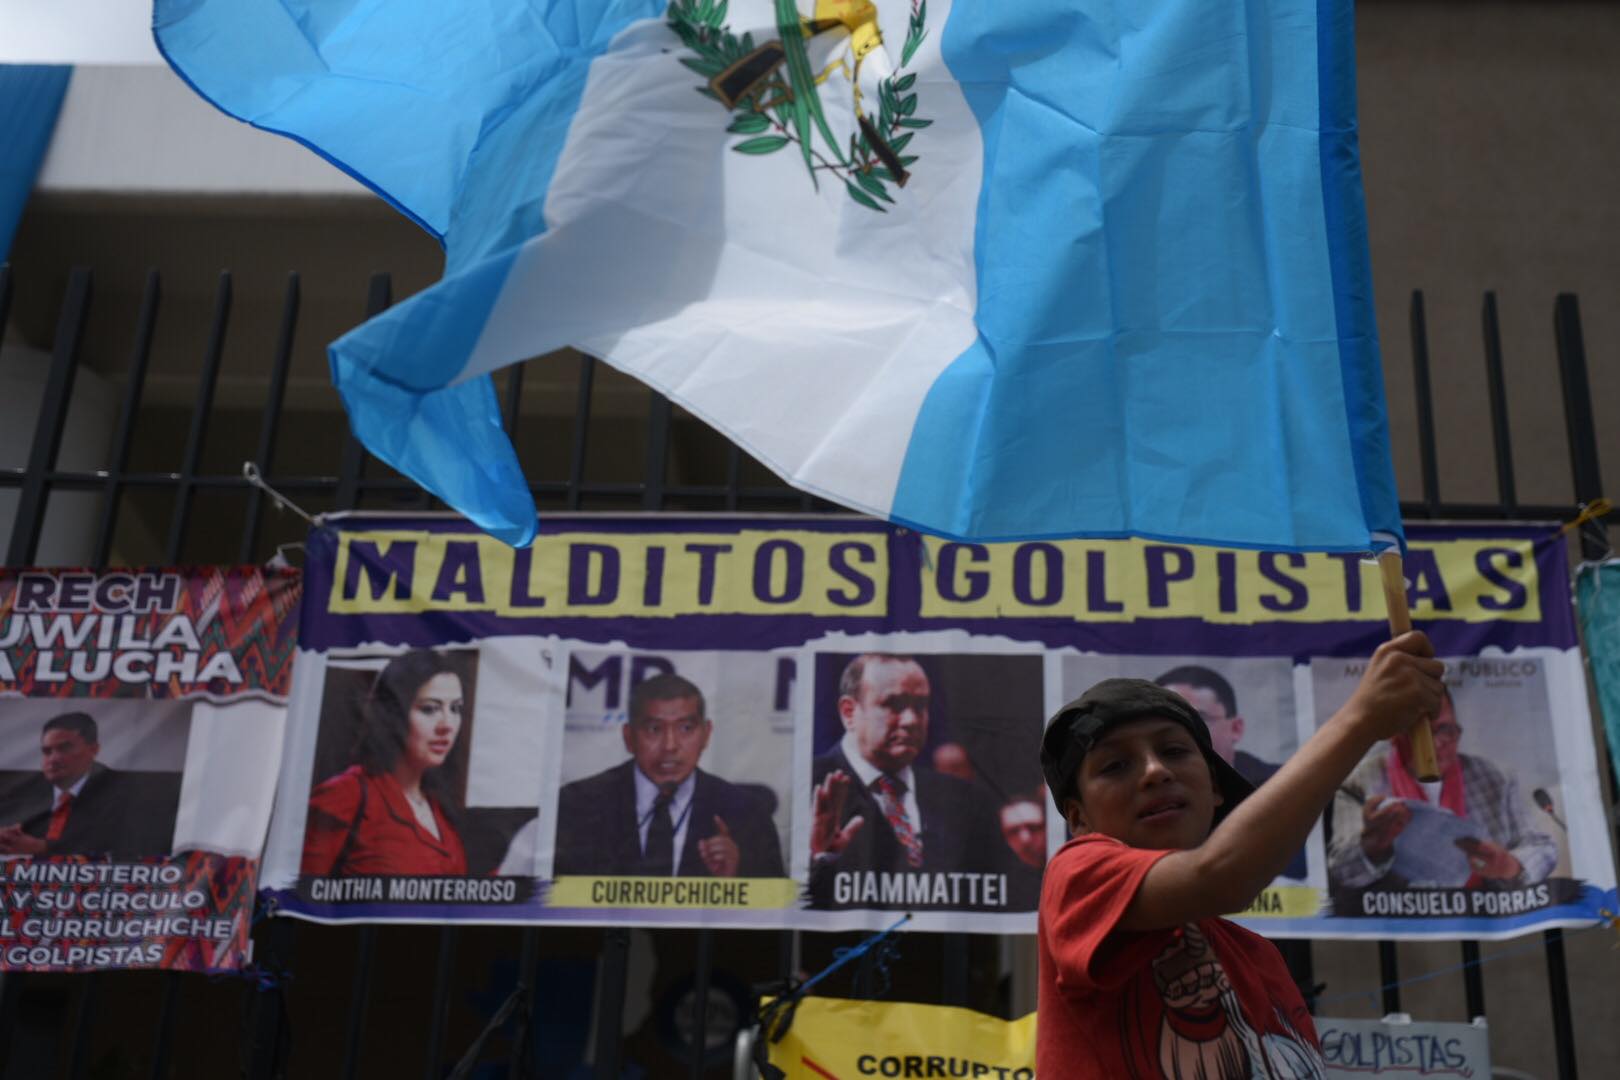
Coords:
pixel 760 71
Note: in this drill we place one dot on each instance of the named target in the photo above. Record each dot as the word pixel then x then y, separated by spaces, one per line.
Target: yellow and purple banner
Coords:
pixel 837 1039
pixel 815 722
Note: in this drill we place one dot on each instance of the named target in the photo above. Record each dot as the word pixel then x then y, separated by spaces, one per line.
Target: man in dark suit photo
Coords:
pixel 1210 693
pixel 78 806
pixel 876 809
pixel 658 814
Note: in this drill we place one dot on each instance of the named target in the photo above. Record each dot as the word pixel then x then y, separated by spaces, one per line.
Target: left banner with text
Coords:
pixel 141 719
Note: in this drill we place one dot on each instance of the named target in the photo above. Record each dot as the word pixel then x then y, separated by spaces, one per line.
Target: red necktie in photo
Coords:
pixel 59 816
pixel 891 797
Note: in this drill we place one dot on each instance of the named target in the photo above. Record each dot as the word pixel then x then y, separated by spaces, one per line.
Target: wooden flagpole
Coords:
pixel 1400 621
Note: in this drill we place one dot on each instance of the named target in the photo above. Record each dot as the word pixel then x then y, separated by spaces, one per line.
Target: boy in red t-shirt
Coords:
pixel 1139 976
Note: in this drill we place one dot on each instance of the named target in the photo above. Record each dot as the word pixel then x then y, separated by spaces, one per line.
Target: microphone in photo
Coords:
pixel 1544 801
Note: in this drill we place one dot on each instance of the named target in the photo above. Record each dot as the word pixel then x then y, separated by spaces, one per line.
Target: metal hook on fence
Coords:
pixel 1590 512
pixel 279 560
pixel 250 473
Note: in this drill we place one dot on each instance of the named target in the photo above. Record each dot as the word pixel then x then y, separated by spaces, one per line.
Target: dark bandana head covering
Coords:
pixel 1078 726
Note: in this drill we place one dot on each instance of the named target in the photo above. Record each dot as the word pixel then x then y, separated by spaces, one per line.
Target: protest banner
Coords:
pixel 143 714
pixel 1396 1046
pixel 815 722
pixel 841 1038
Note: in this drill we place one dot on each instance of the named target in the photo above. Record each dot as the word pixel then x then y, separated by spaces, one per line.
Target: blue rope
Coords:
pixel 777 1017
pixel 842 956
pixel 1377 992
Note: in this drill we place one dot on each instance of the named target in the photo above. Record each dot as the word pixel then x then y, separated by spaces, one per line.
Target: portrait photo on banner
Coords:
pixel 413 774
pixel 675 764
pixel 925 782
pixel 91 776
pixel 1489 838
pixel 1248 703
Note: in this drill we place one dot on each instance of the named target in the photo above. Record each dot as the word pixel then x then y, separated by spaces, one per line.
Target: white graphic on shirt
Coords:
pixel 1204 1034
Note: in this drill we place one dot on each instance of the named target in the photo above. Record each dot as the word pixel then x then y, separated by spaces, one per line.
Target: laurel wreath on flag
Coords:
pixel 782 108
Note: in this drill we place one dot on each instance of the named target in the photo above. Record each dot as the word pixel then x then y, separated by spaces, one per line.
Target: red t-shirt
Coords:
pixel 1209 999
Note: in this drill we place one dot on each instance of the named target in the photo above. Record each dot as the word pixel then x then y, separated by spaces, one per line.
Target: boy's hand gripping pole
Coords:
pixel 1400 621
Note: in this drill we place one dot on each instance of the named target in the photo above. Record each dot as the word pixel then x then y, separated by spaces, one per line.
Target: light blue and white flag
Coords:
pixel 30 99
pixel 1050 268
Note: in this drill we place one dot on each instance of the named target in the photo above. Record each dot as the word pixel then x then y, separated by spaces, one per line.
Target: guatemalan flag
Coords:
pixel 1001 269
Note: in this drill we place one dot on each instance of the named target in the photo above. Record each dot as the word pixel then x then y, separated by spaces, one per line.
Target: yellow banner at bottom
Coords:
pixel 1284 902
pixel 833 1039
pixel 673 892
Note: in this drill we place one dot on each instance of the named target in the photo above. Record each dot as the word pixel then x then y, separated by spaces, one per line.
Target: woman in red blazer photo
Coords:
pixel 394 811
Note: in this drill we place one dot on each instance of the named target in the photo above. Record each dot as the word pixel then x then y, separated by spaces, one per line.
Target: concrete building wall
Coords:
pixel 138 129
pixel 1490 161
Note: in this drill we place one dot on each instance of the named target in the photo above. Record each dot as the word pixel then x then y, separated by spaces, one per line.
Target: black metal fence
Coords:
pixel 402 1001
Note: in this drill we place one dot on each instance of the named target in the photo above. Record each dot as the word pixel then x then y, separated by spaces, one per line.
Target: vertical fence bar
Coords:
pixel 441 1002
pixel 1558 997
pixel 1588 481
pixel 1501 433
pixel 267 1011
pixel 700 1001
pixel 787 953
pixel 1506 490
pixel 199 419
pixel 352 467
pixel 85 1026
pixel 733 476
pixel 1301 967
pixel 658 412
pixel 513 400
pixel 1388 966
pixel 266 1015
pixel 1389 974
pixel 379 294
pixel 165 1027
pixel 264 455
pixel 954 973
pixel 134 386
pixel 611 975
pixel 178 524
pixel 1425 404
pixel 5 299
pixel 523 1039
pixel 1473 982
pixel 582 431
pixel 1583 454
pixel 359 1000
pixel 52 420
pixel 865 979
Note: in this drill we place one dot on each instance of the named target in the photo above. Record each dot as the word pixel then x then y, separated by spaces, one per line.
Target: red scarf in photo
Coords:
pixel 1403 786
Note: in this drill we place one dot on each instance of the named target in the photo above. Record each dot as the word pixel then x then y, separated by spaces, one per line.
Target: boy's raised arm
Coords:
pixel 1255 841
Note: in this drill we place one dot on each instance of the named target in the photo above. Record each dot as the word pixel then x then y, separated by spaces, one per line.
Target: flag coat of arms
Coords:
pixel 1058 268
